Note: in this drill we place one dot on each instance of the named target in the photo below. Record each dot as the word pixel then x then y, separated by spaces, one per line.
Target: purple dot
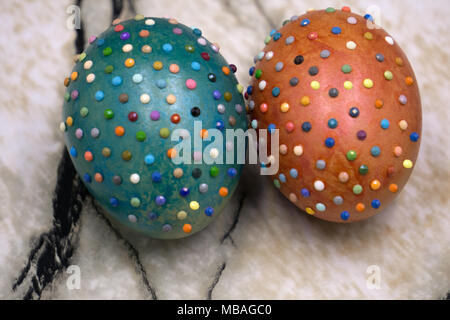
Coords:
pixel 361 135
pixel 177 31
pixel 74 94
pixel 154 115
pixel 217 95
pixel 160 200
pixel 124 35
pixel 233 68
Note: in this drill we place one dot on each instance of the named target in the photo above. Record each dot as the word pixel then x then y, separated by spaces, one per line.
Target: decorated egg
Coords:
pixel 345 103
pixel 144 106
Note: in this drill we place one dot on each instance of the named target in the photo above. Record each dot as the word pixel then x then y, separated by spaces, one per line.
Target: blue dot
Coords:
pixel 116 81
pixel 354 112
pixel 336 30
pixel 232 172
pixel 184 192
pixel 305 193
pixel 375 151
pixel 161 83
pixel 250 90
pixel 113 201
pixel 195 66
pixel 276 91
pixel 345 215
pixel 167 47
pixel 220 125
pixel 156 176
pixel 324 54
pixel 414 137
pixel 293 173
pixel 306 126
pixel 368 17
pixel 209 211
pixel 197 32
pixel 376 203
pixel 87 177
pixel 329 142
pixel 384 123
pixel 271 128
pixel 272 32
pixel 304 22
pixel 73 152
pixel 276 36
pixel 251 71
pixel 160 200
pixel 332 123
pixel 149 159
pixel 100 42
pixel 282 177
pixel 152 216
pixel 99 95
pixel 216 94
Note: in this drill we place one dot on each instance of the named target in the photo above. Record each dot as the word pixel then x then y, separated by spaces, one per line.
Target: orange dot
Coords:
pixel 129 62
pixel 98 177
pixel 88 156
pixel 226 70
pixel 223 192
pixel 346 9
pixel 409 81
pixel 375 184
pixel 379 103
pixel 399 61
pixel 171 153
pixel 393 187
pixel 305 101
pixel 119 131
pixel 204 133
pixel 187 228
pixel 69 121
pixel 66 82
pixel 360 207
pixel 174 68
pixel 144 33
pixel 74 76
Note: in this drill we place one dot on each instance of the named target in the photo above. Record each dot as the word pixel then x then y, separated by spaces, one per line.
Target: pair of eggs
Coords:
pixel 149 102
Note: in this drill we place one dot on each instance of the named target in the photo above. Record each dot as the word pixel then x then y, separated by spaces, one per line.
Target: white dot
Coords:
pixel 135 178
pixel 62 126
pixel 127 48
pixel 221 108
pixel 149 22
pixel 262 84
pixel 352 20
pixel 298 150
pixel 214 153
pixel 319 185
pixel 145 98
pixel 283 149
pixel 132 218
pixel 215 48
pixel 201 41
pixel 90 78
pixel 351 45
pixel 389 40
pixel 88 64
pixel 269 55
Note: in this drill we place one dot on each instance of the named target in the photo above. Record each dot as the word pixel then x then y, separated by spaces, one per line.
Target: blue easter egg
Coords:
pixel 130 91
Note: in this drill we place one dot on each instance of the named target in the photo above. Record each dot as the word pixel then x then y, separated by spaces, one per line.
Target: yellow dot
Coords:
pixel 375 184
pixel 403 124
pixel 348 85
pixel 171 99
pixel 407 164
pixel 69 121
pixel 194 205
pixel 309 211
pixel 284 107
pixel 181 215
pixel 368 83
pixel 315 84
pixel 368 35
pixel 305 101
pixel 157 65
pixel 239 87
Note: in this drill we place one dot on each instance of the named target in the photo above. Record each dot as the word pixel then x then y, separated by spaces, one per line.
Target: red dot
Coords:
pixel 263 107
pixel 132 116
pixel 118 28
pixel 205 55
pixel 290 126
pixel 312 36
pixel 175 118
pixel 346 9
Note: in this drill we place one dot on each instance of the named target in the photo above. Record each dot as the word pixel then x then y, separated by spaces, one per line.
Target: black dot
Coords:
pixel 294 81
pixel 299 59
pixel 212 77
pixel 117 180
pixel 313 70
pixel 196 173
pixel 195 111
pixel 333 92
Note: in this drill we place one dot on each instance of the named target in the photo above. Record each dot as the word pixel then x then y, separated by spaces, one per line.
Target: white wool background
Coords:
pixel 274 251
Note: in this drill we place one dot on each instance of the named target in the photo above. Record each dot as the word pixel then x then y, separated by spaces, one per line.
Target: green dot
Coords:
pixel 106 152
pixel 267 39
pixel 140 136
pixel 164 132
pixel 346 68
pixel 107 51
pixel 363 169
pixel 109 114
pixel 388 75
pixel 258 73
pixel 214 171
pixel 330 10
pixel 357 189
pixel 84 112
pixel 189 48
pixel 285 21
pixel 135 202
pixel 109 69
pixel 351 155
pixel 67 96
pixel 82 56
pixel 276 183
